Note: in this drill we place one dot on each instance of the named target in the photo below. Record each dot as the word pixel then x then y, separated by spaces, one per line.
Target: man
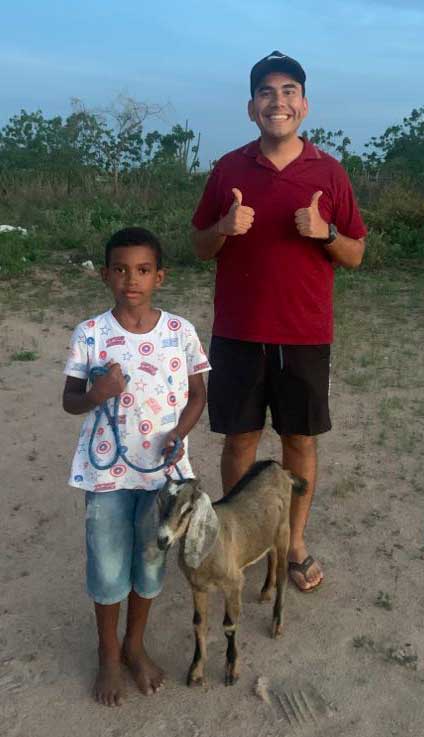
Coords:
pixel 277 215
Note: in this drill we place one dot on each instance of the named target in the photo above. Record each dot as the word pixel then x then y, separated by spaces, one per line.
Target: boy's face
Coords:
pixel 278 107
pixel 132 275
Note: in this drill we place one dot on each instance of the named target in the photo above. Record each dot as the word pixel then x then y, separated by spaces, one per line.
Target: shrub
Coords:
pixel 396 222
pixel 18 252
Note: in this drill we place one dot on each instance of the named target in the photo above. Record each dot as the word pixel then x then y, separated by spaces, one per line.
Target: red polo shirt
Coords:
pixel 272 284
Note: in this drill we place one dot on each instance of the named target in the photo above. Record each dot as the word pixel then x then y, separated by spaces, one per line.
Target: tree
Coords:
pixel 174 147
pixel 31 142
pixel 336 144
pixel 400 150
pixel 122 140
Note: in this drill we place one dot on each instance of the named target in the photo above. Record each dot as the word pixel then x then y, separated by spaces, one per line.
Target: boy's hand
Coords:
pixel 109 385
pixel 169 446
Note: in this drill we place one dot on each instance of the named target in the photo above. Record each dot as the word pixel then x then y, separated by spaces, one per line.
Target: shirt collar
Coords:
pixel 310 151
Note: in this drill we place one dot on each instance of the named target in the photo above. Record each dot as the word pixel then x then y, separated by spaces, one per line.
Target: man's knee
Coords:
pixel 242 443
pixel 302 444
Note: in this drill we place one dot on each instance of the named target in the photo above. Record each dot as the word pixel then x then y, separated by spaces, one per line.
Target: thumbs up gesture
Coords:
pixel 239 218
pixel 309 221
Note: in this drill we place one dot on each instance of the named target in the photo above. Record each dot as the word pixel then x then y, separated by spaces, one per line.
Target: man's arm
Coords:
pixel 238 220
pixel 345 251
pixel 207 242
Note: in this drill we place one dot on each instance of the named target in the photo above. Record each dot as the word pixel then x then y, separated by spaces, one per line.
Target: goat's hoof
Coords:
pixel 277 630
pixel 231 678
pixel 193 681
pixel 266 595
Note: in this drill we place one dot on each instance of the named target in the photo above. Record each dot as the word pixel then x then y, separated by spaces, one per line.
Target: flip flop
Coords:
pixel 303 568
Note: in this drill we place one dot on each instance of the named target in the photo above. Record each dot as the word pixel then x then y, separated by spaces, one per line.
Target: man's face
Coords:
pixel 278 107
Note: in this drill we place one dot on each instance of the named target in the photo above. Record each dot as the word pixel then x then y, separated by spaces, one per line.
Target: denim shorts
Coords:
pixel 122 552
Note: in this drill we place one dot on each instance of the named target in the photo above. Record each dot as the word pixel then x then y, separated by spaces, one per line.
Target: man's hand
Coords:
pixel 169 446
pixel 309 222
pixel 239 218
pixel 109 385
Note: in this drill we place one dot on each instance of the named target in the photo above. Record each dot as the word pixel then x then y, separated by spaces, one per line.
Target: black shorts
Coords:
pixel 246 378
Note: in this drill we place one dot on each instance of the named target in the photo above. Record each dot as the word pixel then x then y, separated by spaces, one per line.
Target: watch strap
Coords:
pixel 332 235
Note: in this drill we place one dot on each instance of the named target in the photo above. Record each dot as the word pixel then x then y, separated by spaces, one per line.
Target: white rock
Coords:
pixel 88 265
pixel 9 228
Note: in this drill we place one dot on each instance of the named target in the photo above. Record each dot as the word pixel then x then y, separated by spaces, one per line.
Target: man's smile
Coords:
pixel 279 116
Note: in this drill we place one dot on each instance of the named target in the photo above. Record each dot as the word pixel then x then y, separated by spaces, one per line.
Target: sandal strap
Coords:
pixel 304 566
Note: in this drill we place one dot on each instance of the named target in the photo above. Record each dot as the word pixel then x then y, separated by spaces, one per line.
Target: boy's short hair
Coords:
pixel 134 237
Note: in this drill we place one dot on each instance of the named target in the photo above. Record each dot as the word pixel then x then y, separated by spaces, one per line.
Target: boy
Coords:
pixel 153 362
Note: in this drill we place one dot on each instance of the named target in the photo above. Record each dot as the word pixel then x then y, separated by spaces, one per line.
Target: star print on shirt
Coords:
pixel 150 386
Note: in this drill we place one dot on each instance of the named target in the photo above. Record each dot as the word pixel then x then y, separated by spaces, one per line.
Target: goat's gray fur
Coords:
pixel 218 541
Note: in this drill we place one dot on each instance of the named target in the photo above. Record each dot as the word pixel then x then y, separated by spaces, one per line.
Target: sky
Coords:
pixel 364 60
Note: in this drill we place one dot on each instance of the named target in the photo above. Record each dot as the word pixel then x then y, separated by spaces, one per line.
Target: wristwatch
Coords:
pixel 332 235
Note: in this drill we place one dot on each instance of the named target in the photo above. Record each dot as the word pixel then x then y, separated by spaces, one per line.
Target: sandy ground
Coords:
pixel 351 660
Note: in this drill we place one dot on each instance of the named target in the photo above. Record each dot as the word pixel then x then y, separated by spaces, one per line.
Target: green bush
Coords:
pixel 18 252
pixel 378 250
pixel 162 199
pixel 396 222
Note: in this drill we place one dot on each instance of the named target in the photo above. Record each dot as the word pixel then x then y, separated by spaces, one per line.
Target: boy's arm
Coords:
pixel 190 414
pixel 76 398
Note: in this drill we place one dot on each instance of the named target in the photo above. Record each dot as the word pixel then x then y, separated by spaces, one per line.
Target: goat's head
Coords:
pixel 185 510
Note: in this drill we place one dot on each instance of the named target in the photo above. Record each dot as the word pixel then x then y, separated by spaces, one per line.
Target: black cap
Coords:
pixel 276 62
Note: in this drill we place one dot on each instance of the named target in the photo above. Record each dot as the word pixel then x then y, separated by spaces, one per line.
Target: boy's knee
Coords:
pixel 148 579
pixel 109 571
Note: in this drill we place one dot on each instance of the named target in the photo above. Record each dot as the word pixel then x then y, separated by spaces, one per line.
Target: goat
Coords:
pixel 217 541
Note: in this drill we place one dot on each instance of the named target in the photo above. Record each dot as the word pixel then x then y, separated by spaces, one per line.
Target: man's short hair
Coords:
pixel 134 237
pixel 276 62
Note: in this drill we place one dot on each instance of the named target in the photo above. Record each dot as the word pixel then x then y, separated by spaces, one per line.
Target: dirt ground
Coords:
pixel 351 662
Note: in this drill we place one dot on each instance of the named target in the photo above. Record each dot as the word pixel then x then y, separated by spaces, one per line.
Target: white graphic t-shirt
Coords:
pixel 158 365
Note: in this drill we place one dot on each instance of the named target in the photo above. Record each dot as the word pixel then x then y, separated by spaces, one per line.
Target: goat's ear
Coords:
pixel 202 531
pixel 299 485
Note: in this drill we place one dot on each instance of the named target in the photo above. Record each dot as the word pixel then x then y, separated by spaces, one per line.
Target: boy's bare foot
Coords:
pixel 147 675
pixel 109 686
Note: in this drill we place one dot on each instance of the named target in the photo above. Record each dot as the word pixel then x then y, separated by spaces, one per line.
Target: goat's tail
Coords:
pixel 299 484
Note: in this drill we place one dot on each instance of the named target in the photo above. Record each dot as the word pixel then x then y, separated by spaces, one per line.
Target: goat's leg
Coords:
pixel 282 547
pixel 232 614
pixel 271 576
pixel 195 676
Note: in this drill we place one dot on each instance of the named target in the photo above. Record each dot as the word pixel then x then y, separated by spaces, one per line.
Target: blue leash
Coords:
pixel 121 450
